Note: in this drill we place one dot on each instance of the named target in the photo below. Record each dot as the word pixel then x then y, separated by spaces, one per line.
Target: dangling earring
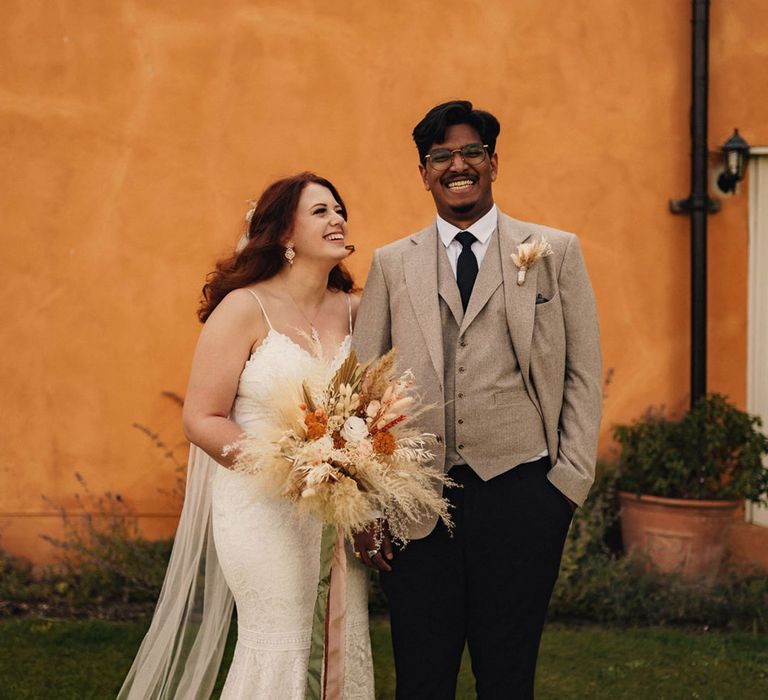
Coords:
pixel 290 254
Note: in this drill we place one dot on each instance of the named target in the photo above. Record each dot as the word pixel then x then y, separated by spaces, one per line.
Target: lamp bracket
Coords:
pixel 686 206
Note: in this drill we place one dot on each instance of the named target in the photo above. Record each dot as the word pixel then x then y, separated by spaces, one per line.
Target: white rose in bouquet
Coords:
pixel 354 429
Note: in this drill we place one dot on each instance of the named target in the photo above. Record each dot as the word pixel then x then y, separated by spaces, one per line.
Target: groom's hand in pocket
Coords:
pixel 373 546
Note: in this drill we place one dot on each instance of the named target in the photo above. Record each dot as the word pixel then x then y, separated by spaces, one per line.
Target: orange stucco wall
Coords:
pixel 133 132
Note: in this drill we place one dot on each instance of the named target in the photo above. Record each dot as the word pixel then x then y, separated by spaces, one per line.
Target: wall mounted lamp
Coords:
pixel 735 153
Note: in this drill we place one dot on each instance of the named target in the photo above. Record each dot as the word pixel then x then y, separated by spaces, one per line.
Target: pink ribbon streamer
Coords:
pixel 335 625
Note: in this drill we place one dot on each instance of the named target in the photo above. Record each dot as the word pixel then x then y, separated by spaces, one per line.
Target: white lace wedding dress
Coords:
pixel 271 559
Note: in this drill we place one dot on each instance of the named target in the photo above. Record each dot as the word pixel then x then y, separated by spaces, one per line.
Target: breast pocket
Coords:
pixel 548 326
pixel 546 308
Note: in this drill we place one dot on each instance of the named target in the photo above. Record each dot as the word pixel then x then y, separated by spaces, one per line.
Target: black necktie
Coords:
pixel 466 267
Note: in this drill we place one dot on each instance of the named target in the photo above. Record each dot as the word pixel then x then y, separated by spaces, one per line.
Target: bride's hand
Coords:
pixel 373 546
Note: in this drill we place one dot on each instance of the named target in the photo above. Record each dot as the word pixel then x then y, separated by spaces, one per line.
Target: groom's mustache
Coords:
pixel 350 248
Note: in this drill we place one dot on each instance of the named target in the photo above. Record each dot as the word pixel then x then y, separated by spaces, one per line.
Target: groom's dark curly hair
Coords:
pixel 431 129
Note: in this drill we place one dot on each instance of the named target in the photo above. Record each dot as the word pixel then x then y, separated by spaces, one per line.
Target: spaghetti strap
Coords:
pixel 255 296
pixel 349 308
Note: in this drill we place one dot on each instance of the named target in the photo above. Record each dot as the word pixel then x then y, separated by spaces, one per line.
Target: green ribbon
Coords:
pixel 314 689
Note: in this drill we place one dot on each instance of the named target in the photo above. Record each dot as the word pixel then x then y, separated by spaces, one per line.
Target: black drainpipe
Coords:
pixel 698 205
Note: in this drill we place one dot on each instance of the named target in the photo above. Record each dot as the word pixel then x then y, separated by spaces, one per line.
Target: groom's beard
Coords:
pixel 463 209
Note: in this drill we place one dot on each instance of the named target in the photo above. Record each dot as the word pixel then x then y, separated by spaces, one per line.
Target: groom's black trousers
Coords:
pixel 487 585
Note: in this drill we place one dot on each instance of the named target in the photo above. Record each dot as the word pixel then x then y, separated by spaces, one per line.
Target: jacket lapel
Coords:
pixel 487 282
pixel 520 300
pixel 420 269
pixel 447 286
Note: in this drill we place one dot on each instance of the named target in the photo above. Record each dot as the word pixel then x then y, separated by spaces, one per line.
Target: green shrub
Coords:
pixel 618 590
pixel 103 564
pixel 714 451
pixel 16 579
pixel 103 558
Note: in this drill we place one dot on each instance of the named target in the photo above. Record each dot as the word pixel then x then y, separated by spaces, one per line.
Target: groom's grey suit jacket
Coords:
pixel 520 366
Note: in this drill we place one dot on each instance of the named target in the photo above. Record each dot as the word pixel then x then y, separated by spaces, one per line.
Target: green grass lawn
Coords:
pixel 88 659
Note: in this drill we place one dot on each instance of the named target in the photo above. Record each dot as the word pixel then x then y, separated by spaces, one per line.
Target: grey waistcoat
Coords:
pixel 491 423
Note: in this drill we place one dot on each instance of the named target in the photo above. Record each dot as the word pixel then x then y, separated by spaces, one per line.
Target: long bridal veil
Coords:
pixel 181 652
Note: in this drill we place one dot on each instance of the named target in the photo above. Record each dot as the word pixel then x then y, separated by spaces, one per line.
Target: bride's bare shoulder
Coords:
pixel 266 291
pixel 240 307
pixel 238 301
pixel 263 291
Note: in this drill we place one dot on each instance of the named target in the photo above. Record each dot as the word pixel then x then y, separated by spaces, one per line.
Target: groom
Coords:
pixel 509 360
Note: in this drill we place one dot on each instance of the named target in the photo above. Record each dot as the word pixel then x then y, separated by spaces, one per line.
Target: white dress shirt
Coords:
pixel 482 229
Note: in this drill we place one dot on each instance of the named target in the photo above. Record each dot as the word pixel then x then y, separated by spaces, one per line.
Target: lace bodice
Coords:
pixel 278 358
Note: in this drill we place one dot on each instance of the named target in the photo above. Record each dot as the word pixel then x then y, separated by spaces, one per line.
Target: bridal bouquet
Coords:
pixel 344 449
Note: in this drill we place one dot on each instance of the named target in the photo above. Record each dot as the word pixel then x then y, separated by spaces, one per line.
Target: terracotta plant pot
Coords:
pixel 677 535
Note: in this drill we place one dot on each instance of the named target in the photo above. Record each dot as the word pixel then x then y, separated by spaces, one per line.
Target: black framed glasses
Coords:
pixel 472 154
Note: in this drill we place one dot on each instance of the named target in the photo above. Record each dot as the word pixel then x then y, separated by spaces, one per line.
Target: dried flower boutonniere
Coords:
pixel 527 254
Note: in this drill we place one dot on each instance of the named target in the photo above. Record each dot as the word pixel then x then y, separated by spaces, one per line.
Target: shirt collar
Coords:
pixel 481 229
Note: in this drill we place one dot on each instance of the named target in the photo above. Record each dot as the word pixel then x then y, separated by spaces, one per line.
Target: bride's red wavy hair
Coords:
pixel 262 256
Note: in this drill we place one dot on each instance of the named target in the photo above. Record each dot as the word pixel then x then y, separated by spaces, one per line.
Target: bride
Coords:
pixel 284 286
